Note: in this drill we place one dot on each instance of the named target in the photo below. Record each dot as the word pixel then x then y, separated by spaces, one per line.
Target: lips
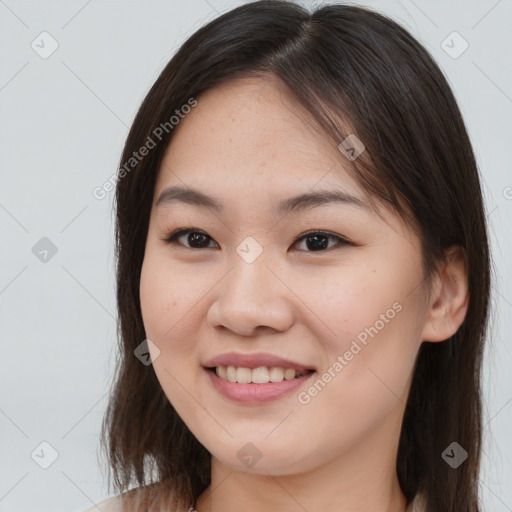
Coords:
pixel 255 393
pixel 247 392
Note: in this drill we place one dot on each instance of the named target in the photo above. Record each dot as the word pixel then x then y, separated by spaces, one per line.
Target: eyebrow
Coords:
pixel 177 194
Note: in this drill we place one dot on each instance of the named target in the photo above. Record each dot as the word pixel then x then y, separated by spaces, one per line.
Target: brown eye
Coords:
pixel 317 241
pixel 195 239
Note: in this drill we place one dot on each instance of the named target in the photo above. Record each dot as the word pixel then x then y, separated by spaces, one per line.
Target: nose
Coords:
pixel 252 299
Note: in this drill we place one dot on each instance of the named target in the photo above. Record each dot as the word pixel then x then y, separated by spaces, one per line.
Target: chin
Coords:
pixel 262 456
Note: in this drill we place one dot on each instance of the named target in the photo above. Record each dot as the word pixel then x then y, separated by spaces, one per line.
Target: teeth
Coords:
pixel 260 375
pixel 289 374
pixel 230 373
pixel 276 374
pixel 243 375
pixel 221 372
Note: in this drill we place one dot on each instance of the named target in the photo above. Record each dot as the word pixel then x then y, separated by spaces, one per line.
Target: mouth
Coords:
pixel 259 375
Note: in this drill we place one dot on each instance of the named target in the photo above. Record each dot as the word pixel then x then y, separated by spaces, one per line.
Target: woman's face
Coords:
pixel 346 304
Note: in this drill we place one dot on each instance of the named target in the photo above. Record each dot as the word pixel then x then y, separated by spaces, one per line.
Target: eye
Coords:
pixel 316 241
pixel 196 238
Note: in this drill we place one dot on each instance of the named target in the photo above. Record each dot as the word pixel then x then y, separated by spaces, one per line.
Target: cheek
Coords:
pixel 160 302
pixel 170 305
pixel 352 301
pixel 375 327
pixel 153 302
pixel 162 308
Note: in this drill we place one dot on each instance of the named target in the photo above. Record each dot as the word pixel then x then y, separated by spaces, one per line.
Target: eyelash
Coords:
pixel 172 238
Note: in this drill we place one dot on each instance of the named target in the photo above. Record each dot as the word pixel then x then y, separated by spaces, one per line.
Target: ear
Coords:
pixel 449 302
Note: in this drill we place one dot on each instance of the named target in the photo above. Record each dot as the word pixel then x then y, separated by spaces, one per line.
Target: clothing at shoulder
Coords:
pixel 109 505
pixel 418 504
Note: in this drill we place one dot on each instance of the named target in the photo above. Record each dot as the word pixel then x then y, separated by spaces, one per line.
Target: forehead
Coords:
pixel 251 132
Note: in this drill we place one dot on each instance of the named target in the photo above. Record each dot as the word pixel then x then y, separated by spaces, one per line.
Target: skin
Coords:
pixel 247 141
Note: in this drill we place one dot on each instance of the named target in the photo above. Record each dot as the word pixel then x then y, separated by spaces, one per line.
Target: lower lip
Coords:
pixel 255 393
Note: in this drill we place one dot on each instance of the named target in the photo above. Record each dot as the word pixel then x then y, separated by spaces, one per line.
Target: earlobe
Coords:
pixel 449 302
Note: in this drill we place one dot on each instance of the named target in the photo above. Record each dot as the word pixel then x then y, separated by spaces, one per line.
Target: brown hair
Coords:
pixel 342 64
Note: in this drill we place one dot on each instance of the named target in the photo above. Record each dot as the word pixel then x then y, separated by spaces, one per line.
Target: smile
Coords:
pixel 260 375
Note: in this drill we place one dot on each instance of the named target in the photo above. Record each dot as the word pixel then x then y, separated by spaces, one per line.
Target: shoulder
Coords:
pixel 159 494
pixel 108 505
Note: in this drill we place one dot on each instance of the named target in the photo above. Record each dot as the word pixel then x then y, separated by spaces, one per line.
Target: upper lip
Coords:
pixel 252 361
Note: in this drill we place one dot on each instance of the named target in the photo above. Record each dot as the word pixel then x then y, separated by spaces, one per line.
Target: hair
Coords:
pixel 352 70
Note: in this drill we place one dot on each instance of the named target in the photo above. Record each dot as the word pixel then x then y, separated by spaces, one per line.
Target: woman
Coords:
pixel 303 275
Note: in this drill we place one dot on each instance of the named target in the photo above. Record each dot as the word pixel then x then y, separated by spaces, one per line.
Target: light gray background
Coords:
pixel 63 122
